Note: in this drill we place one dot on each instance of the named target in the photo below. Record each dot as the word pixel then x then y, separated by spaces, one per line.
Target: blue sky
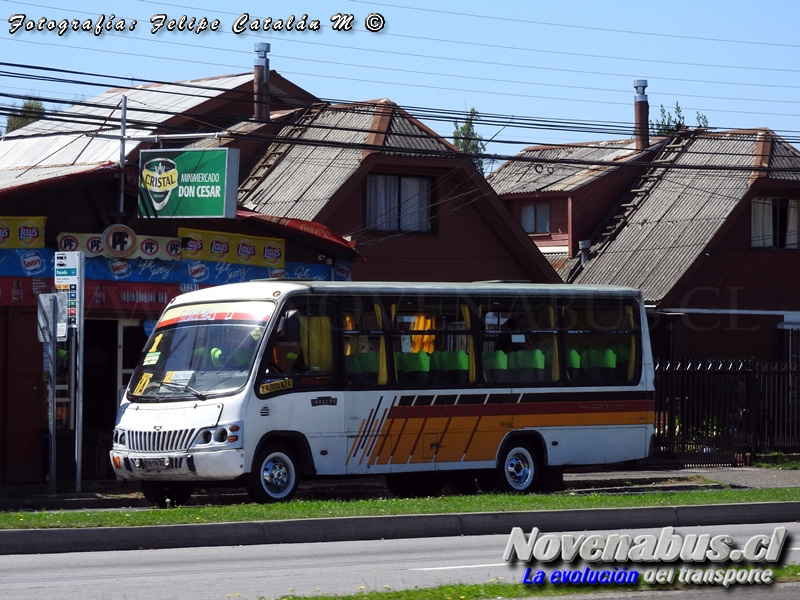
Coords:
pixel 567 63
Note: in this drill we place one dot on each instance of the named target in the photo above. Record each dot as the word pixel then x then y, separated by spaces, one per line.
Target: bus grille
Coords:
pixel 176 440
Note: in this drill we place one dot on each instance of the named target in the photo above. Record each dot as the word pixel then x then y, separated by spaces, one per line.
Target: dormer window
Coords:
pixel 398 203
pixel 535 218
pixel 774 223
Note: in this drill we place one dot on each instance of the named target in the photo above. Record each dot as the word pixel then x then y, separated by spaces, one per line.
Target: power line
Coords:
pixel 424 113
pixel 648 34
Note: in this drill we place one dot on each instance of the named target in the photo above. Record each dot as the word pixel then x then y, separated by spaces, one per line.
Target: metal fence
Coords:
pixel 715 412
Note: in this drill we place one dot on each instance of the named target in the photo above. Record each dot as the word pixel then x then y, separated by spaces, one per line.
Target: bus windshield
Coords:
pixel 200 351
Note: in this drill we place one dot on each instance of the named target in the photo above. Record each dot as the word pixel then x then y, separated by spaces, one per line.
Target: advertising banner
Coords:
pixel 147 246
pixel 200 183
pixel 22 232
pixel 232 248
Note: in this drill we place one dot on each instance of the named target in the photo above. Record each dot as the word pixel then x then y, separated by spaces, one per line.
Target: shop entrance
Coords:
pixel 111 349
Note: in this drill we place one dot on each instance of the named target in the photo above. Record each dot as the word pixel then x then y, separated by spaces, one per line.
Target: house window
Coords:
pixel 774 223
pixel 535 218
pixel 398 203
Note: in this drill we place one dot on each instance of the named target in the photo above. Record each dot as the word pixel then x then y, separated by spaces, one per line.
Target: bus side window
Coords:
pixel 600 343
pixel 365 362
pixel 520 345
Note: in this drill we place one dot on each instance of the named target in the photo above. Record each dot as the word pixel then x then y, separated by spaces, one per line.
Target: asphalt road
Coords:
pixel 273 571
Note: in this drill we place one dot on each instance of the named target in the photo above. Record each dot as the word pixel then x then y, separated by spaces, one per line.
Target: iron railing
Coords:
pixel 723 412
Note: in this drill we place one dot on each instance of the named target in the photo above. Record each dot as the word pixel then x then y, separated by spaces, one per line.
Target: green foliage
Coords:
pixel 466 139
pixel 668 123
pixel 31 110
pixel 321 509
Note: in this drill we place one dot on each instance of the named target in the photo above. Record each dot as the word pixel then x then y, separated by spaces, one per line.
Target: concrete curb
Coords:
pixel 45 541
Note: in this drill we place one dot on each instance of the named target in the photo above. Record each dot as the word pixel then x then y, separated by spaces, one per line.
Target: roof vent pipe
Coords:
pixel 584 246
pixel 641 110
pixel 261 83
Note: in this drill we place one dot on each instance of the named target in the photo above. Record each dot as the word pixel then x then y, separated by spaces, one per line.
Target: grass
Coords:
pixel 779 461
pixel 310 509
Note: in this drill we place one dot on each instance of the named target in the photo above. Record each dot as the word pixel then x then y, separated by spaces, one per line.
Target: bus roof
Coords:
pixel 264 289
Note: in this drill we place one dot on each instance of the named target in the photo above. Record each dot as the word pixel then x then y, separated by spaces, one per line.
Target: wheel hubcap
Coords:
pixel 276 476
pixel 519 469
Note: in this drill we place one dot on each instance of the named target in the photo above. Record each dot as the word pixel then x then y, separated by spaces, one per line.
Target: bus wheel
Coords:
pixel 518 469
pixel 165 494
pixel 274 475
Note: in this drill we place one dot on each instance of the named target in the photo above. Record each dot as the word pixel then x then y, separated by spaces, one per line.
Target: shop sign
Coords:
pixel 198 183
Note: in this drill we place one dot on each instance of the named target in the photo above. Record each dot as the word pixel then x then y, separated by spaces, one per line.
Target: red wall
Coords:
pixel 461 248
pixel 22 405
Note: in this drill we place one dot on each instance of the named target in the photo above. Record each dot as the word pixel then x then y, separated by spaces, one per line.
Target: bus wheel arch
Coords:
pixel 295 442
pixel 279 463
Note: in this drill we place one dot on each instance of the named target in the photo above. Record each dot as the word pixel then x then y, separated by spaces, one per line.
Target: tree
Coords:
pixel 32 110
pixel 669 124
pixel 466 139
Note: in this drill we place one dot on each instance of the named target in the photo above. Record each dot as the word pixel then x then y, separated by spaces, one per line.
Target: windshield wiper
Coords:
pixel 197 394
pixel 186 388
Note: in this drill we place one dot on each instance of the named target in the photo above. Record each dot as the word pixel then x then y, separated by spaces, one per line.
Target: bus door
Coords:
pixel 297 387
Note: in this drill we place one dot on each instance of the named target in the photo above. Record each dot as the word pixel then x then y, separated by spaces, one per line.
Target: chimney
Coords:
pixel 641 110
pixel 584 246
pixel 261 83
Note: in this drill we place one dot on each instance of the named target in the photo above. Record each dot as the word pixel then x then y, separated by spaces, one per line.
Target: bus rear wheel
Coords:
pixel 519 469
pixel 274 477
pixel 167 493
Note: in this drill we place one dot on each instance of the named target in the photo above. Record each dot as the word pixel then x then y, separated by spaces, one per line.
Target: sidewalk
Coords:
pixel 121 494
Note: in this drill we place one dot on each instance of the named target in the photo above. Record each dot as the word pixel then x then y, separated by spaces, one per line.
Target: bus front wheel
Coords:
pixel 519 469
pixel 274 476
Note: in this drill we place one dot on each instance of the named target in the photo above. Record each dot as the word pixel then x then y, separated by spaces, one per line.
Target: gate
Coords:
pixel 717 412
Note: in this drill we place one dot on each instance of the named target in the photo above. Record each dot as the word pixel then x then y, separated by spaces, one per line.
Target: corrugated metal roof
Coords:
pixel 59 150
pixel 15 178
pixel 63 147
pixel 310 170
pixel 406 134
pixel 785 156
pixel 678 218
pixel 534 169
pixel 561 262
pixel 329 148
pixel 151 104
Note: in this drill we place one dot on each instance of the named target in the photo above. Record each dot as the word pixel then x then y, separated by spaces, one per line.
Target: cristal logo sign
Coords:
pixel 159 178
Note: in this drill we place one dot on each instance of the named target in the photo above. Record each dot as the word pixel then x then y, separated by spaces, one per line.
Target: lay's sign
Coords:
pixel 22 232
pixel 232 248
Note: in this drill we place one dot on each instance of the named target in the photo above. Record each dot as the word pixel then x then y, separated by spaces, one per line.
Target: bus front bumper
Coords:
pixel 218 465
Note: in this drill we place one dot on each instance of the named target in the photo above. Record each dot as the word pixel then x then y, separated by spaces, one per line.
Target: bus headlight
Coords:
pixel 119 438
pixel 219 436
